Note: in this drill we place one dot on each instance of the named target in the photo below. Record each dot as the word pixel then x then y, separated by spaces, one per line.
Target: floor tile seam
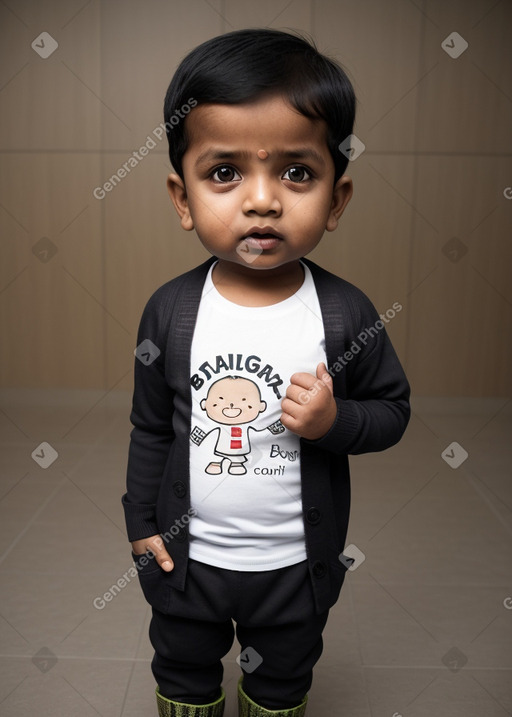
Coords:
pixel 33 519
pixel 142 632
pixel 481 489
pixel 71 573
pixel 90 658
pixel 93 446
pixel 417 583
pixel 325 661
pixel 351 667
pixel 359 644
pixel 70 471
pixel 473 668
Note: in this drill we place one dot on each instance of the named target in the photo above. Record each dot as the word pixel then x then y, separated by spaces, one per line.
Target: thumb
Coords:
pixel 162 557
pixel 323 374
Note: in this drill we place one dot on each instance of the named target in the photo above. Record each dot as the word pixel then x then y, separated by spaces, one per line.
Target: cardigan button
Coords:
pixel 319 569
pixel 313 516
pixel 181 536
pixel 179 489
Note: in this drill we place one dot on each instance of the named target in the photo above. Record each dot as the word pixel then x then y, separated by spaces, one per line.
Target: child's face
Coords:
pixel 252 209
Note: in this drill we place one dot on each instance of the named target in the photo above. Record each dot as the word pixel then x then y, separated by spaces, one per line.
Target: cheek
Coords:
pixel 210 219
pixel 208 203
pixel 316 213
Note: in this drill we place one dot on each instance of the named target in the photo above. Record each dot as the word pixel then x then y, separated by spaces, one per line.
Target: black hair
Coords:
pixel 244 65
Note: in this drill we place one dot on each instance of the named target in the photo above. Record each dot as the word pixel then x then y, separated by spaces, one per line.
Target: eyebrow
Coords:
pixel 215 155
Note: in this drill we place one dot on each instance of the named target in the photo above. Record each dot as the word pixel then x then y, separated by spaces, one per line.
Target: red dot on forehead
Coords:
pixel 262 153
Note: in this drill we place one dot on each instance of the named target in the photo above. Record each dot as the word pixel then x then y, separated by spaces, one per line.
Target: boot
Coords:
pixel 168 708
pixel 248 708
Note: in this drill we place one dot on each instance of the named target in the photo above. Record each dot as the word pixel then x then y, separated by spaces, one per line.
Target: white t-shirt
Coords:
pixel 244 465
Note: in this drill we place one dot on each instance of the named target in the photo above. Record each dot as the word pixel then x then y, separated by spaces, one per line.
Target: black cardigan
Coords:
pixel 371 392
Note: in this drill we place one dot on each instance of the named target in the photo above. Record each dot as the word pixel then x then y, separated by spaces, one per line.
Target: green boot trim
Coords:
pixel 168 708
pixel 248 708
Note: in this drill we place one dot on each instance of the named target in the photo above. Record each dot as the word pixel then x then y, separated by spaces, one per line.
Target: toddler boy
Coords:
pixel 264 372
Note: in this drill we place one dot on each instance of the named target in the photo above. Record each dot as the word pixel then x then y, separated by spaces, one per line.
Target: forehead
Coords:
pixel 269 123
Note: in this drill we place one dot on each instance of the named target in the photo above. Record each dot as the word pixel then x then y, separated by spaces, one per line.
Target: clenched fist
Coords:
pixel 309 408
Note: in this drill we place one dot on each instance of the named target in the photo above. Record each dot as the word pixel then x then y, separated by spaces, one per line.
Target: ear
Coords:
pixel 340 198
pixel 178 194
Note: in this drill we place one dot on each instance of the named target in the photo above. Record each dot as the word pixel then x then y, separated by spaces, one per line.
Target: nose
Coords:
pixel 261 197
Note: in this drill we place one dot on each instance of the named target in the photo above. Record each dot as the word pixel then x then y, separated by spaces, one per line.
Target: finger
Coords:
pixel 164 560
pixel 307 386
pixel 162 557
pixel 167 563
pixel 297 395
pixel 289 422
pixel 323 374
pixel 303 379
pixel 290 408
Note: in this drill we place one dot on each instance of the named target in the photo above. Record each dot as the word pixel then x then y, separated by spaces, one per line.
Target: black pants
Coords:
pixel 276 625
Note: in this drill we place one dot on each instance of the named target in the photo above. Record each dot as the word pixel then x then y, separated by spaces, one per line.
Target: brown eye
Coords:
pixel 297 174
pixel 225 174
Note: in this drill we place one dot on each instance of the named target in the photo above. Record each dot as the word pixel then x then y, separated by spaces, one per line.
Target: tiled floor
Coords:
pixel 423 626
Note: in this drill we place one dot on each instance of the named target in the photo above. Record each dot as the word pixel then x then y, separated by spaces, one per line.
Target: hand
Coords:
pixel 309 408
pixel 156 545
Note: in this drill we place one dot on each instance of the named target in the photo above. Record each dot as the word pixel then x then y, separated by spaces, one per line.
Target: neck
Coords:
pixel 253 287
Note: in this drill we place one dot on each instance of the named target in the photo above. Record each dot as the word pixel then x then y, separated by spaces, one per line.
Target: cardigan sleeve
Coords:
pixel 374 410
pixel 151 417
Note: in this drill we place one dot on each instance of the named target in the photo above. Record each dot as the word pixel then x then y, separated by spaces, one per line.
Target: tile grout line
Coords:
pixel 32 520
pixel 14 656
pixel 363 666
pixel 477 485
pixel 143 632
pixel 50 497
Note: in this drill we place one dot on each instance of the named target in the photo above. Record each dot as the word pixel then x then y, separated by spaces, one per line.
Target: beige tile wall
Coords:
pixel 429 224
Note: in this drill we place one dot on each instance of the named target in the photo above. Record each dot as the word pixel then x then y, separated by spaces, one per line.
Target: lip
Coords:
pixel 255 231
pixel 262 238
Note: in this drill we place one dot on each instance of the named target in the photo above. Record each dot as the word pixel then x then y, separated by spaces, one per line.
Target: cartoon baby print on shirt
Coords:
pixel 233 402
